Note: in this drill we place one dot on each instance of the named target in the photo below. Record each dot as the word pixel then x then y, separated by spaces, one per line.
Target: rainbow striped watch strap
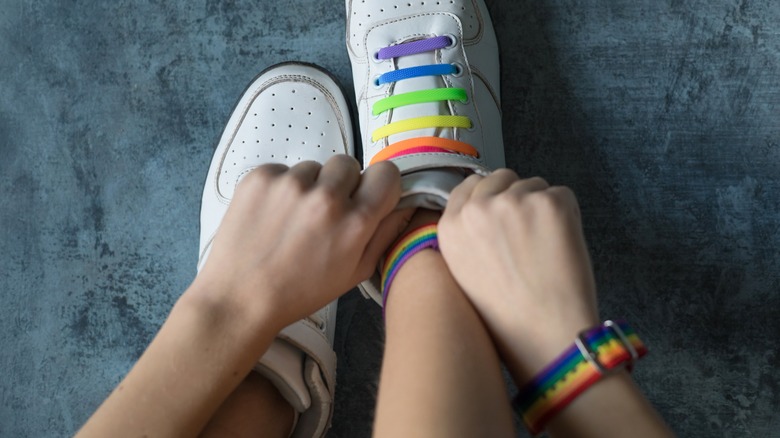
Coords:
pixel 595 353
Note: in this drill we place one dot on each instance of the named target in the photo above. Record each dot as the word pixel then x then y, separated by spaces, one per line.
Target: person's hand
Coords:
pixel 516 248
pixel 295 239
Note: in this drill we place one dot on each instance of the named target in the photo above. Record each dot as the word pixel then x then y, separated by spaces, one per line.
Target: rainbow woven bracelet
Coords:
pixel 609 347
pixel 413 242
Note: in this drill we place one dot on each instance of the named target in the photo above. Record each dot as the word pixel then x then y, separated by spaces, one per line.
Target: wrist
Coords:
pixel 206 346
pixel 220 307
pixel 527 349
pixel 598 352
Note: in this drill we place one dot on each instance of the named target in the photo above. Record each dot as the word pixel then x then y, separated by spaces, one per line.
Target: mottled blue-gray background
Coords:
pixel 663 115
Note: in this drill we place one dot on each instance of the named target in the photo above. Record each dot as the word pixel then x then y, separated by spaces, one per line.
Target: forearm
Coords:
pixel 613 407
pixel 201 353
pixel 441 375
pixel 517 249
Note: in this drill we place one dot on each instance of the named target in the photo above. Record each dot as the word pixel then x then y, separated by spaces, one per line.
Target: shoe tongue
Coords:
pixel 420 109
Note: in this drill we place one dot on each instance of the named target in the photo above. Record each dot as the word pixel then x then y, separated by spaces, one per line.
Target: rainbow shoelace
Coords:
pixel 419 145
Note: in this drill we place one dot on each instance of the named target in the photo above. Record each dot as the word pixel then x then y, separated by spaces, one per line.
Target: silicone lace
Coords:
pixel 419 145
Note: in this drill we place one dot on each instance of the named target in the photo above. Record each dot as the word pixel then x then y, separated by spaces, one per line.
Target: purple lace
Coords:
pixel 414 47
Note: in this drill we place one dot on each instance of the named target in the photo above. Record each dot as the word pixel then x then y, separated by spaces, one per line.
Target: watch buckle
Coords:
pixel 592 356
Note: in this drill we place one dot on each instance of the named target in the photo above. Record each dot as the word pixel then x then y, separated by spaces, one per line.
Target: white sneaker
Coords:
pixel 426 77
pixel 291 112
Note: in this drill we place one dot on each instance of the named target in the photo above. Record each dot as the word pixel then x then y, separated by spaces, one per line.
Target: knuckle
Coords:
pixel 475 177
pixel 343 158
pixel 504 206
pixel 327 203
pixel 563 193
pixel 541 200
pixel 538 180
pixel 343 162
pixel 294 184
pixel 269 171
pixel 387 167
pixel 327 194
pixel 505 172
pixel 256 179
pixel 567 199
pixel 547 203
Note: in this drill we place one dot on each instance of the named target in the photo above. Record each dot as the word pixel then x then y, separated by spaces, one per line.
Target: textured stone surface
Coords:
pixel 663 115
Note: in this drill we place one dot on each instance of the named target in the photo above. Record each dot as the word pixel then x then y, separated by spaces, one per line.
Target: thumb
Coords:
pixel 386 233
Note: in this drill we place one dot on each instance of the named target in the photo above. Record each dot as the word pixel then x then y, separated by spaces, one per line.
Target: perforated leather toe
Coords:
pixel 291 113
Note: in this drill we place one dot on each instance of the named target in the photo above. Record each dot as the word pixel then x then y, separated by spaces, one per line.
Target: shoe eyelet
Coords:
pixel 458 70
pixel 375 58
pixel 472 128
pixel 376 83
pixel 453 41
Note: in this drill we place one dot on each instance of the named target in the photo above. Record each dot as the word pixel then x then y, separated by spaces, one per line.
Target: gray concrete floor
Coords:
pixel 663 115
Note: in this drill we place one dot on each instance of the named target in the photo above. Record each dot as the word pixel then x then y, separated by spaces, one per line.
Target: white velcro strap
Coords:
pixel 433 160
